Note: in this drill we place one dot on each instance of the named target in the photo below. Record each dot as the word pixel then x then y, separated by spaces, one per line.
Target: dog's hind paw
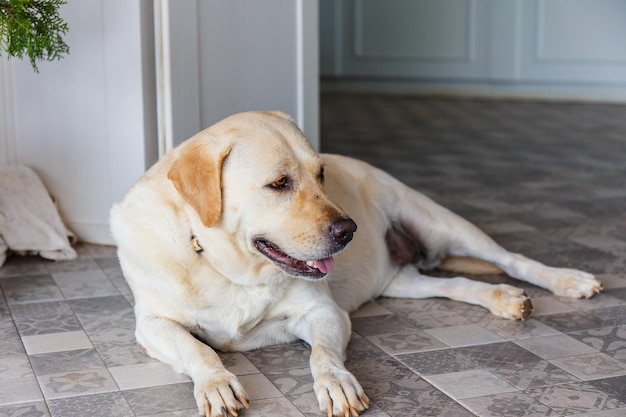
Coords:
pixel 220 395
pixel 574 283
pixel 339 394
pixel 509 302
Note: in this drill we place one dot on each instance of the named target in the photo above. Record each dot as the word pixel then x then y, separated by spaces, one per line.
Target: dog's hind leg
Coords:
pixel 471 243
pixel 444 234
pixel 502 300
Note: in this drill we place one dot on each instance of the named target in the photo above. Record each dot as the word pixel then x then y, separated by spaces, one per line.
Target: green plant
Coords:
pixel 33 28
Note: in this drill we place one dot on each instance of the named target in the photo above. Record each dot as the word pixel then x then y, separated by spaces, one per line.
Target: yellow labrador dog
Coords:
pixel 239 237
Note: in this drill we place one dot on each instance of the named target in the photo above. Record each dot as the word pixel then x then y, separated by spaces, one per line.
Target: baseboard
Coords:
pixel 99 234
pixel 564 92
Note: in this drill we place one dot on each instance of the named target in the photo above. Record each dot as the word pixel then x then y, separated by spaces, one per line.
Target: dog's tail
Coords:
pixel 467 265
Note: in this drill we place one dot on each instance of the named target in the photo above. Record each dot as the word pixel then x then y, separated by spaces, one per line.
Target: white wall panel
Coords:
pixel 414 38
pixel 410 30
pixel 574 41
pixel 83 122
pixel 8 153
pixel 573 49
pixel 582 31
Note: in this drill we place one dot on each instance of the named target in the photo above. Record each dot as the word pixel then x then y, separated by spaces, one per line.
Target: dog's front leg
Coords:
pixel 217 391
pixel 327 330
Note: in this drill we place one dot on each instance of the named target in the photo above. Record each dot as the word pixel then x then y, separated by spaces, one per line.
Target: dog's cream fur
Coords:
pixel 191 231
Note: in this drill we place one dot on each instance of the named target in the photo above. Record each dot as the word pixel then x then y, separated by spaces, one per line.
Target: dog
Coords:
pixel 243 236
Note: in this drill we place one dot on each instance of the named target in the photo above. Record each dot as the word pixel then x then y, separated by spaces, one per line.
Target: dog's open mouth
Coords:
pixel 312 269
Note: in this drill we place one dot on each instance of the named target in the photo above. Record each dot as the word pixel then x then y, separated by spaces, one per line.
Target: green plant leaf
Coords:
pixel 33 28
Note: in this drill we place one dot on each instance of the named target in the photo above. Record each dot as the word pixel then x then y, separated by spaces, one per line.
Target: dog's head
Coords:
pixel 256 176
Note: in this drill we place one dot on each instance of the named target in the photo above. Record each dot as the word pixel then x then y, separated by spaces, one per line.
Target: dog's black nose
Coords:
pixel 342 231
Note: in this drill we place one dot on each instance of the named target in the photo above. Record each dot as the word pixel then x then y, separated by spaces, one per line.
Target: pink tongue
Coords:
pixel 325 265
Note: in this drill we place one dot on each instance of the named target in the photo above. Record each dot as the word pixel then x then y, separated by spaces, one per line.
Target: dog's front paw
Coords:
pixel 339 394
pixel 509 302
pixel 220 395
pixel 574 283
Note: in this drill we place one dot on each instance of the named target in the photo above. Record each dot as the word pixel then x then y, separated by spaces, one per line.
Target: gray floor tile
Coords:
pixel 591 366
pixel 512 330
pixel 76 383
pixel 145 375
pixel 438 362
pixel 570 399
pixel 46 317
pixel 18 266
pixel 56 342
pixel 466 335
pixel 510 404
pixel 556 346
pixel 412 396
pixel 72 360
pixel 30 289
pixel 82 263
pixel 10 342
pixel 279 407
pixel 605 339
pixel 27 409
pixel 615 387
pixel 110 404
pixel 572 321
pixel 192 412
pixel 117 346
pixel 497 354
pixel 528 375
pixel 19 390
pixel 84 284
pixel 472 383
pixel 376 325
pixel 407 341
pixel 280 357
pixel 161 399
pixel 12 367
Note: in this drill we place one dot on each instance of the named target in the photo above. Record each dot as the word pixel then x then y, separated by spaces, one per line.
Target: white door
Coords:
pixel 219 57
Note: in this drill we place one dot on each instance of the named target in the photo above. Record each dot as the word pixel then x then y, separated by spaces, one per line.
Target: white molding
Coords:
pixel 184 70
pixel 307 63
pixel 300 65
pixel 8 138
pixel 163 76
pixel 338 34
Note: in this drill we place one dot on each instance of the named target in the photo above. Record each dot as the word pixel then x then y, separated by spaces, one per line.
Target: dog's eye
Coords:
pixel 280 184
pixel 320 176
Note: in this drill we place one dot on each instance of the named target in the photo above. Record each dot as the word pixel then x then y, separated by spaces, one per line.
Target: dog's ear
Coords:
pixel 197 175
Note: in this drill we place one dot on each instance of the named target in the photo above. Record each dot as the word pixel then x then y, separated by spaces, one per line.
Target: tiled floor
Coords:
pixel 548 180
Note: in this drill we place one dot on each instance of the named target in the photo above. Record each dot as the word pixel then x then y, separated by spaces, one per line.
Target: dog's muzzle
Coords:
pixel 340 234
